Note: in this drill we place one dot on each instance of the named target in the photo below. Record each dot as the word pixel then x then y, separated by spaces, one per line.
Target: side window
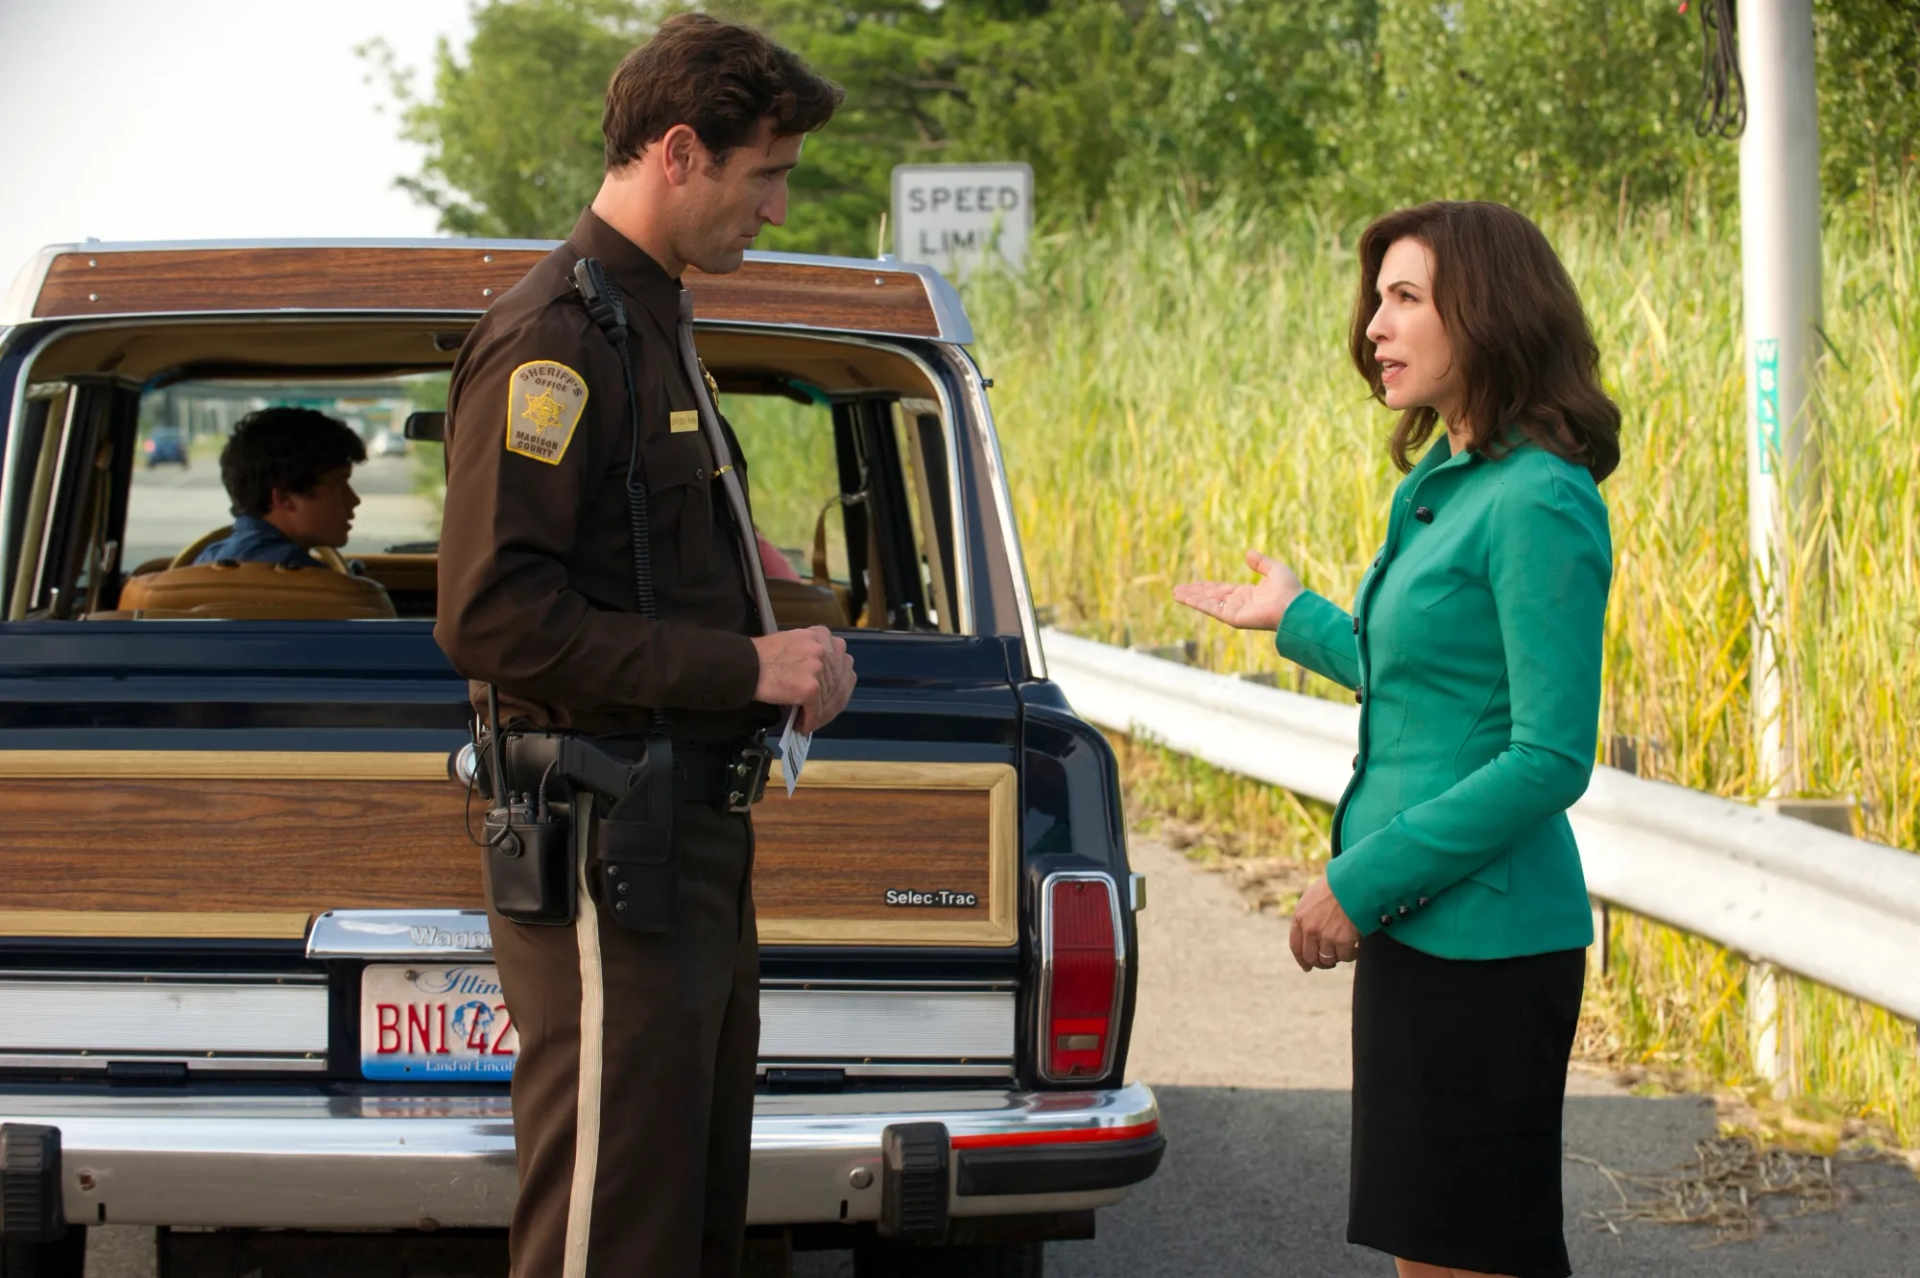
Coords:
pixel 923 443
pixel 853 492
pixel 62 499
pixel 794 478
pixel 36 460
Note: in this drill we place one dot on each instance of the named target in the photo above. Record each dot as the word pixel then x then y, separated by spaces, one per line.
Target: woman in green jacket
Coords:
pixel 1473 649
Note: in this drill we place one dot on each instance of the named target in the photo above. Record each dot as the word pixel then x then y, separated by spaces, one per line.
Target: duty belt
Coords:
pixel 730 776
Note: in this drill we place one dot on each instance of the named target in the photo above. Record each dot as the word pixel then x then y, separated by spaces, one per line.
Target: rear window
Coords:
pixel 108 489
pixel 175 497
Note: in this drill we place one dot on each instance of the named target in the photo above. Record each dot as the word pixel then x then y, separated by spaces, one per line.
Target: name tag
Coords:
pixel 685 420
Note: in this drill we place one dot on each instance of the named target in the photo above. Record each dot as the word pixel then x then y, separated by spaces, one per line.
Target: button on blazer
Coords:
pixel 1474 648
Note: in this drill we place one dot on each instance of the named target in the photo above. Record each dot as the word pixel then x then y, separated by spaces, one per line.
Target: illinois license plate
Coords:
pixel 435 1021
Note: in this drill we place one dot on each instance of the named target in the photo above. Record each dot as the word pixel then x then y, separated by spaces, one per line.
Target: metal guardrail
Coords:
pixel 1838 910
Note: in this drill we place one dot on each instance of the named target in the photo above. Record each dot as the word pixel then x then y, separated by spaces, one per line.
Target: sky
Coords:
pixel 206 119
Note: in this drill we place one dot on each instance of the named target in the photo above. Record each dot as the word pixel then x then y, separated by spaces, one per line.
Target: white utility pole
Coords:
pixel 1780 265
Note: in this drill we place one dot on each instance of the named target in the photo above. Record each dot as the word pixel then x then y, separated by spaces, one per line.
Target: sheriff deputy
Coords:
pixel 633 1088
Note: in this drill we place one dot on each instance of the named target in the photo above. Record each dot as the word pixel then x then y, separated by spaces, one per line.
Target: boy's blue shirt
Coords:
pixel 255 541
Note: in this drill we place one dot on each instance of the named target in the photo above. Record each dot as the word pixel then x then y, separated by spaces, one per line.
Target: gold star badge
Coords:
pixel 543 410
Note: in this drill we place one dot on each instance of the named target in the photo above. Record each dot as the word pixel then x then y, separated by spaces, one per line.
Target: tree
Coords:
pixel 512 127
pixel 1349 106
pixel 898 61
pixel 1531 103
pixel 1104 98
pixel 1869 54
pixel 1090 92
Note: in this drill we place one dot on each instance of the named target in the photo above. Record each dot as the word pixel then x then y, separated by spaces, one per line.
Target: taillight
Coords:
pixel 1080 1000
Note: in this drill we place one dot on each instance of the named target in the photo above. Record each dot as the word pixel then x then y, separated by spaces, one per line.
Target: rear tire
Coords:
pixel 1014 1260
pixel 64 1259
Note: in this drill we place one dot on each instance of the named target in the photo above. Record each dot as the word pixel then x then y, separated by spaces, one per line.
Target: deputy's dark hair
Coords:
pixel 287 448
pixel 718 78
pixel 1520 336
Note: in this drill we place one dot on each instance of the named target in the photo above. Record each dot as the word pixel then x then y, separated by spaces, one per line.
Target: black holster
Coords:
pixel 623 789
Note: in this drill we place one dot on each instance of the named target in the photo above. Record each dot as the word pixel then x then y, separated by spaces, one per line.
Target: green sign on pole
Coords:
pixel 1766 384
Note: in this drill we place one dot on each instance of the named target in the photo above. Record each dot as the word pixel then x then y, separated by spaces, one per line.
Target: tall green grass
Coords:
pixel 1172 388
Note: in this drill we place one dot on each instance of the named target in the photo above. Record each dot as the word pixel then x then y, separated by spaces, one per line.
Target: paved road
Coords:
pixel 1250 1059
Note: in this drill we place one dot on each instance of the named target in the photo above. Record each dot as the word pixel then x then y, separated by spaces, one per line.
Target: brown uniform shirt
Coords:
pixel 536 569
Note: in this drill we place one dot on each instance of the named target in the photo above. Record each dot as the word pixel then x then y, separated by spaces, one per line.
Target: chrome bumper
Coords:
pixel 430 1162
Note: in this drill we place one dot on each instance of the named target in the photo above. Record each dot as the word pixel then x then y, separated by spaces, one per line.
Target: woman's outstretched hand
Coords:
pixel 1249 606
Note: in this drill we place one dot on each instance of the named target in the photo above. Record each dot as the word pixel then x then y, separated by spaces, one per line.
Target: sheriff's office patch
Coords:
pixel 544 403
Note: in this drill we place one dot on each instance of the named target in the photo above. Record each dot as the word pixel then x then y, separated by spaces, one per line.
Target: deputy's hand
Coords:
pixel 807 668
pixel 1323 935
pixel 1255 606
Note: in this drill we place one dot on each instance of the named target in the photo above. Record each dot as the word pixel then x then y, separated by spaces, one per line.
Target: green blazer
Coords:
pixel 1474 651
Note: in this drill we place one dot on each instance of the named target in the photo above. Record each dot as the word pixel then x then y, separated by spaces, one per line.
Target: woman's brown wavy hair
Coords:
pixel 1519 334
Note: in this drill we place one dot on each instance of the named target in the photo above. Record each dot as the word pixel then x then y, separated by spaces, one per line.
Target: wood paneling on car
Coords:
pixel 826 858
pixel 137 843
pixel 235 845
pixel 829 297
pixel 408 278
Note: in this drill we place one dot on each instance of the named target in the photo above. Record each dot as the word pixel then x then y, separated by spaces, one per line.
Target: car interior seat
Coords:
pixel 250 592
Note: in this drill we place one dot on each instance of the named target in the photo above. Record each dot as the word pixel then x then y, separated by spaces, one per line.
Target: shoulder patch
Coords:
pixel 544 401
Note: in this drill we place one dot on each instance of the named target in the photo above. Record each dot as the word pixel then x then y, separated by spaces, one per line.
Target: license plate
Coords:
pixel 435 1021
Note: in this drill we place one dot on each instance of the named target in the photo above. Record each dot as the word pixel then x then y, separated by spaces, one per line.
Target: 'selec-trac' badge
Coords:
pixel 544 403
pixel 936 899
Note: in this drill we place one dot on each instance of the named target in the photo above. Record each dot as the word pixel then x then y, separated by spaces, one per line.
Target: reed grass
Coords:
pixel 1171 389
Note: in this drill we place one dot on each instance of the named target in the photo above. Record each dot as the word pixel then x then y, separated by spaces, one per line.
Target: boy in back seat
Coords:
pixel 287 471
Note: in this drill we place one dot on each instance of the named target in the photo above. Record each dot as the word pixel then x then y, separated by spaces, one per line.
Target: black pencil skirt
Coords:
pixel 1459 1075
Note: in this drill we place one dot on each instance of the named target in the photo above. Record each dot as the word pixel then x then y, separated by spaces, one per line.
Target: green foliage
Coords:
pixel 1112 102
pixel 1869 67
pixel 512 128
pixel 898 60
pixel 1532 104
pixel 1350 106
pixel 1108 101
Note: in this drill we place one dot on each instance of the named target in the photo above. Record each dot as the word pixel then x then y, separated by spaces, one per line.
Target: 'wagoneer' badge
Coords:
pixel 428 938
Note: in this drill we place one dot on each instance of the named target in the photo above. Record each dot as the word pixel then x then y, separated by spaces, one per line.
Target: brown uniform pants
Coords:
pixel 633 1090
